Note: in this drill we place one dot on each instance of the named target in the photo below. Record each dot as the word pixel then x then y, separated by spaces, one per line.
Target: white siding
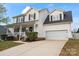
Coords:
pixel 56 13
pixel 42 16
pixel 32 12
pixel 50 27
pixel 43 28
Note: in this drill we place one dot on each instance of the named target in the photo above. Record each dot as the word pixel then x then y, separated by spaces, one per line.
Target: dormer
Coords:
pixel 56 15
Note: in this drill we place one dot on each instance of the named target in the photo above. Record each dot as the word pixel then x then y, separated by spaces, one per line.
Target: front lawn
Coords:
pixel 71 48
pixel 7 44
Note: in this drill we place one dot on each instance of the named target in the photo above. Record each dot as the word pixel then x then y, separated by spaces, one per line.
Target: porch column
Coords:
pixel 20 30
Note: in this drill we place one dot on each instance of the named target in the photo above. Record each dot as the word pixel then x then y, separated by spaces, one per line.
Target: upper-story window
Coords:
pixel 32 16
pixel 56 17
pixel 17 20
pixel 22 19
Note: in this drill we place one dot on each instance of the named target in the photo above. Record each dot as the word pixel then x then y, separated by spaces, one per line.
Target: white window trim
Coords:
pixel 55 17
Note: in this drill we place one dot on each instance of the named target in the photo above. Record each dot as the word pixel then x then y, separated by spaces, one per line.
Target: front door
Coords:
pixel 31 29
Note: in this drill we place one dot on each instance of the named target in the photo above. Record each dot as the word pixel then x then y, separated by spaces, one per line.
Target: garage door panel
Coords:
pixel 56 35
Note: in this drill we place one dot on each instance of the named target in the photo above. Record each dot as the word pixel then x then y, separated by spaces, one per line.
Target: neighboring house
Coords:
pixel 3 30
pixel 55 25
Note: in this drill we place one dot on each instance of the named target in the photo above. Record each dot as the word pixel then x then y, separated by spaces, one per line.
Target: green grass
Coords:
pixel 71 48
pixel 7 44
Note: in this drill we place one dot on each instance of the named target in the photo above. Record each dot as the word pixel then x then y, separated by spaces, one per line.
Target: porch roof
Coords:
pixel 24 24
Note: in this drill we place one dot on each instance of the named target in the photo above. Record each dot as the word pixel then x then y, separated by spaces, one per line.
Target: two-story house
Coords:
pixel 55 25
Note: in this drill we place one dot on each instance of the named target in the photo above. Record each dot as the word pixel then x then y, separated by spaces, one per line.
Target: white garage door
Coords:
pixel 56 35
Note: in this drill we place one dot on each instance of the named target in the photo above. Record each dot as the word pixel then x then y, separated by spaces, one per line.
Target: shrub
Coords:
pixel 10 38
pixel 40 38
pixel 3 37
pixel 32 36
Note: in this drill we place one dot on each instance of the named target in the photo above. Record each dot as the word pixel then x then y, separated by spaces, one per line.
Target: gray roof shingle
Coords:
pixel 67 18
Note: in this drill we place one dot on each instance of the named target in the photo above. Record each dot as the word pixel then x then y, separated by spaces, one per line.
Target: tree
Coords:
pixel 78 30
pixel 4 20
pixel 3 17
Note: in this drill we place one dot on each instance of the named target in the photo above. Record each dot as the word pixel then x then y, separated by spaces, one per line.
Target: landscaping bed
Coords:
pixel 37 39
pixel 32 36
pixel 71 48
pixel 7 44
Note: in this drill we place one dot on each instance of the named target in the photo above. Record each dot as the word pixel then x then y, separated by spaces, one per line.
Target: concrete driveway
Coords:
pixel 38 48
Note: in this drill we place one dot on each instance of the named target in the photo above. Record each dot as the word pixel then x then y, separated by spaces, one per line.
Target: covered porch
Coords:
pixel 21 29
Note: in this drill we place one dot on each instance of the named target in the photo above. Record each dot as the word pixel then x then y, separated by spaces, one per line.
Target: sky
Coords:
pixel 14 9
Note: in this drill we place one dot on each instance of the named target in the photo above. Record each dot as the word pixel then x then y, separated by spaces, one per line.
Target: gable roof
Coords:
pixel 57 10
pixel 68 18
pixel 43 9
pixel 28 9
pixel 22 14
pixel 25 10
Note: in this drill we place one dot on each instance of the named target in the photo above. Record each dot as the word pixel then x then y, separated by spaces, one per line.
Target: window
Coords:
pixel 53 18
pixel 17 20
pixel 22 19
pixel 32 16
pixel 30 29
pixel 56 17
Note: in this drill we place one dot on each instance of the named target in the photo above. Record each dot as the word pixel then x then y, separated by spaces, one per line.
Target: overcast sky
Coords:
pixel 16 9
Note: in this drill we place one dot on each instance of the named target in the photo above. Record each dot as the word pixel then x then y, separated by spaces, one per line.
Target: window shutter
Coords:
pixel 29 16
pixel 65 16
pixel 23 18
pixel 34 16
pixel 60 16
pixel 51 18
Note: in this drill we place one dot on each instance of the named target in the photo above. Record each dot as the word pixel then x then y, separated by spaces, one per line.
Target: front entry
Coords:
pixel 21 32
pixel 31 29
